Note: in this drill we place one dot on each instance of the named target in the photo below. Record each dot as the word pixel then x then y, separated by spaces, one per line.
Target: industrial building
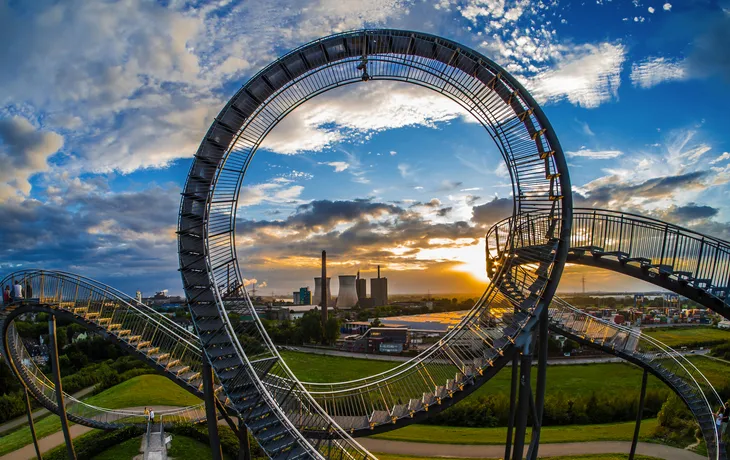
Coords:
pixel 379 290
pixel 361 286
pixel 303 296
pixel 347 295
pixel 317 299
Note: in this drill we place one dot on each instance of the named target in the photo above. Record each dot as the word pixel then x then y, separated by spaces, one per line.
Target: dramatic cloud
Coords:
pixel 24 151
pixel 492 211
pixel 586 76
pixel 356 111
pixel 653 71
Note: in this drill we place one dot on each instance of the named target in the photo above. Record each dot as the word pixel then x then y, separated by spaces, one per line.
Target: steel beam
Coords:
pixel 541 383
pixel 512 406
pixel 524 402
pixel 31 425
pixel 61 404
pixel 244 444
pixel 210 411
pixel 639 415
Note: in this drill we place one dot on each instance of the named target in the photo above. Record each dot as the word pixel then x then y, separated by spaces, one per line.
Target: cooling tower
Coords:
pixel 347 296
pixel 317 299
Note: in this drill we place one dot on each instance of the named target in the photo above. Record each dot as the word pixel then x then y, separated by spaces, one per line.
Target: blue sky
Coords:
pixel 103 103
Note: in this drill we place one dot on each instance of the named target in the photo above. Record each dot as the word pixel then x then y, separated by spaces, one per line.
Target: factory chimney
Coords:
pixel 325 294
pixel 378 271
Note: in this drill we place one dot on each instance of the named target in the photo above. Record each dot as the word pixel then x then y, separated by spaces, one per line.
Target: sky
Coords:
pixel 103 104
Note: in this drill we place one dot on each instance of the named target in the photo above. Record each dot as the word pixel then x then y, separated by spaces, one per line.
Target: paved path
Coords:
pixel 16 422
pixel 603 358
pixel 56 439
pixel 546 450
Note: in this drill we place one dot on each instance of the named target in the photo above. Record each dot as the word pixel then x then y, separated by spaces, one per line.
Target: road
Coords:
pixel 551 361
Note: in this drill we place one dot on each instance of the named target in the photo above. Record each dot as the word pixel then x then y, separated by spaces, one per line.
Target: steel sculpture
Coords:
pixel 281 412
pixel 293 419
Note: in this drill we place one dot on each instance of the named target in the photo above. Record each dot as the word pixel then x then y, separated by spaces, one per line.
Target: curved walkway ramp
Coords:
pixel 684 261
pixel 630 344
pixel 287 417
pixel 136 328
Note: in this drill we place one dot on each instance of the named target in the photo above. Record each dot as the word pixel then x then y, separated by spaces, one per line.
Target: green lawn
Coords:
pixel 575 457
pixel 126 450
pixel 574 379
pixel 21 437
pixel 144 390
pixel 716 371
pixel 184 448
pixel 494 436
pixel 676 337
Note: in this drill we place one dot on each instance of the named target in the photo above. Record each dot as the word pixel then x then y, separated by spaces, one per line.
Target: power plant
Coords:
pixel 317 298
pixel 379 290
pixel 347 295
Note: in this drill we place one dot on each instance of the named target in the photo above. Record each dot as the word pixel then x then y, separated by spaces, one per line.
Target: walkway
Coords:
pixel 56 439
pixel 23 420
pixel 546 450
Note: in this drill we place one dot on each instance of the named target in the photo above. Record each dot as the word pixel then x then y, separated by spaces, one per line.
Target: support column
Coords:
pixel 244 443
pixel 210 412
pixel 512 406
pixel 522 410
pixel 31 424
pixel 639 415
pixel 541 384
pixel 53 355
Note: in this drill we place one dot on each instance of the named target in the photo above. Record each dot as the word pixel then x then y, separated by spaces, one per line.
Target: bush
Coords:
pixel 229 439
pixel 676 425
pixel 11 405
pixel 93 443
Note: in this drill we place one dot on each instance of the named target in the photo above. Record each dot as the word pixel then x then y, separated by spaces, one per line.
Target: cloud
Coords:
pixel 656 70
pixel 667 7
pixel 270 192
pixel 348 114
pixel 687 214
pixel 723 157
pixel 338 165
pixel 492 211
pixel 595 154
pixel 587 76
pixel 24 151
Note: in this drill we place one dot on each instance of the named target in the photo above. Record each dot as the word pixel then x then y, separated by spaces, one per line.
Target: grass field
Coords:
pixel 574 379
pixel 144 390
pixel 573 457
pixel 138 391
pixel 495 436
pixel 126 450
pixel 676 337
pixel 716 371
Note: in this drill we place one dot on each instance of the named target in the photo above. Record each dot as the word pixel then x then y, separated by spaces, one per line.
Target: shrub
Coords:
pixel 229 439
pixel 93 443
pixel 676 424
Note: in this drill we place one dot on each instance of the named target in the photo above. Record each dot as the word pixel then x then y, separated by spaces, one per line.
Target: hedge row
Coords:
pixel 91 444
pixel 560 409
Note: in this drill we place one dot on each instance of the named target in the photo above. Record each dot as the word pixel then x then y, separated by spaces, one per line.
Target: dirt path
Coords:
pixel 546 450
pixel 16 422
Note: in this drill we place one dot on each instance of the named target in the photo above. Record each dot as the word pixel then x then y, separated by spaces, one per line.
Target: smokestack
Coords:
pixel 325 294
pixel 378 271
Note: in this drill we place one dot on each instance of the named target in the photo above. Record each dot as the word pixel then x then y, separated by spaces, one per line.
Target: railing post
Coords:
pixel 210 410
pixel 639 415
pixel 53 354
pixel 31 425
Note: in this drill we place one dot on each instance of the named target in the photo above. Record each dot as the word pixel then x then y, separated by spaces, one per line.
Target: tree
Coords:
pixel 331 330
pixel 311 327
pixel 376 323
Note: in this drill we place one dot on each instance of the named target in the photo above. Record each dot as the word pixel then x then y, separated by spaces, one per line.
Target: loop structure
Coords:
pixel 285 415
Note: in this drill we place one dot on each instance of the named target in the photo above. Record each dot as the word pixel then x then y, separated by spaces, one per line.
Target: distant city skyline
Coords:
pixel 376 173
